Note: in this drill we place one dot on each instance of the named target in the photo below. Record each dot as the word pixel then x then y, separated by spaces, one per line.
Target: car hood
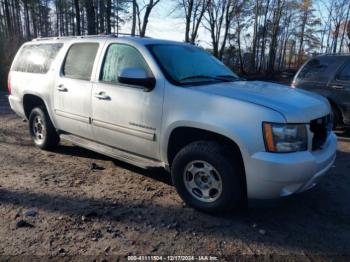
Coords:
pixel 297 106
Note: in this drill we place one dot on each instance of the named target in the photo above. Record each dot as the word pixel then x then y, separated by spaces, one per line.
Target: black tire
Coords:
pixel 230 170
pixel 49 138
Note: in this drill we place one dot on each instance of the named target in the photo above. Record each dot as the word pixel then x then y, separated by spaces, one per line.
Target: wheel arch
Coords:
pixel 181 136
pixel 30 101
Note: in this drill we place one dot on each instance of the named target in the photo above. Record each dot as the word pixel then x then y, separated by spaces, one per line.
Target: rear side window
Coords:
pixel 36 58
pixel 318 69
pixel 80 61
pixel 344 74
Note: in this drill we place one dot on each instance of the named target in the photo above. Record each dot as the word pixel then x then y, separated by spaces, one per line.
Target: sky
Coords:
pixel 166 23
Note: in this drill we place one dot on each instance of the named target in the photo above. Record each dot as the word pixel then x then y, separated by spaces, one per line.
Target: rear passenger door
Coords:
pixel 72 94
pixel 341 89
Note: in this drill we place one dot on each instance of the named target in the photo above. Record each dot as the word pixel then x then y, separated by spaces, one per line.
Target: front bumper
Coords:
pixel 273 175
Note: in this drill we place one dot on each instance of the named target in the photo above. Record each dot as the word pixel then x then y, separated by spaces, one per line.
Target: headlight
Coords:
pixel 285 138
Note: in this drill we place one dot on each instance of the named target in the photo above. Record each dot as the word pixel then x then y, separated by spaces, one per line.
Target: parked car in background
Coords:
pixel 157 103
pixel 329 76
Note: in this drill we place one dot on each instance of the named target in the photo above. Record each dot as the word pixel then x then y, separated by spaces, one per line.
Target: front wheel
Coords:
pixel 208 177
pixel 41 129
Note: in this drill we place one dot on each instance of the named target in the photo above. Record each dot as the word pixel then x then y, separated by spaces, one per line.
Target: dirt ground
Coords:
pixel 84 205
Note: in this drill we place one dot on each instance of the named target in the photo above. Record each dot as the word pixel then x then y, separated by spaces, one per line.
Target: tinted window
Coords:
pixel 80 61
pixel 119 57
pixel 36 58
pixel 318 69
pixel 344 74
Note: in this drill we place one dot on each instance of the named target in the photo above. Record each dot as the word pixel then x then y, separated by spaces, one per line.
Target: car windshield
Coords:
pixel 190 65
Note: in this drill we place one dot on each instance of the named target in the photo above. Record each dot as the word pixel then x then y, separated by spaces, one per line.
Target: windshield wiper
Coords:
pixel 218 78
pixel 228 77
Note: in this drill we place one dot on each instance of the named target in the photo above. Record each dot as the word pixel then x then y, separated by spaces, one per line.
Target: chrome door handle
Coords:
pixel 61 88
pixel 102 96
pixel 337 87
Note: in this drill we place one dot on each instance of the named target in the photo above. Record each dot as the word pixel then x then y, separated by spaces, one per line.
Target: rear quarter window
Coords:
pixel 36 58
pixel 319 69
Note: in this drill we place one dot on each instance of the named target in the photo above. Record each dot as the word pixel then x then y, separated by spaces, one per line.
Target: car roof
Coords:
pixel 347 55
pixel 98 38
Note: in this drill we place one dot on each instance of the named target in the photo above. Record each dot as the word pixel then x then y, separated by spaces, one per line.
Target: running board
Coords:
pixel 113 152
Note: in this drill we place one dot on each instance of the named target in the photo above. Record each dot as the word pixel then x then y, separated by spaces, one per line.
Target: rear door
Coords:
pixel 341 89
pixel 72 94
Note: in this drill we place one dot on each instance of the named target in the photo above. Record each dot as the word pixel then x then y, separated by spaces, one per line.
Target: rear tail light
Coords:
pixel 9 87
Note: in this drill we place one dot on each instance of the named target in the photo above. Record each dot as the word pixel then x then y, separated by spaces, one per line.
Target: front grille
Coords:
pixel 321 128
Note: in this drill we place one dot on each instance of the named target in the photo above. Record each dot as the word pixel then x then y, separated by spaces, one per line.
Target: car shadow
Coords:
pixel 158 174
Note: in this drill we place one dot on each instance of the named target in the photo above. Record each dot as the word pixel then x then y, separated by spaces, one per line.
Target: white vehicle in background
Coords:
pixel 155 103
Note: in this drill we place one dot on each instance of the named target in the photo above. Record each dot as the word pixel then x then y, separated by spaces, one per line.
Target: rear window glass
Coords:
pixel 318 69
pixel 80 61
pixel 36 58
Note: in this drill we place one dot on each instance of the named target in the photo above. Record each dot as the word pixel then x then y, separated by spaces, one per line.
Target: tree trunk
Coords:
pixel 336 35
pixel 241 65
pixel 188 18
pixel 145 18
pixel 8 17
pixel 148 11
pixel 77 16
pixel 14 18
pixel 346 22
pixel 57 20
pixel 227 18
pixel 302 33
pixel 263 42
pixel 90 15
pixel 276 27
pixel 108 16
pixel 254 48
pixel 102 16
pixel 197 21
pixel 134 17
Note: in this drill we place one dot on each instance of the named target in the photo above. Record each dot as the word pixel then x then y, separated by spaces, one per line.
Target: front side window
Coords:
pixel 119 57
pixel 187 65
pixel 80 61
pixel 318 69
pixel 344 74
pixel 36 58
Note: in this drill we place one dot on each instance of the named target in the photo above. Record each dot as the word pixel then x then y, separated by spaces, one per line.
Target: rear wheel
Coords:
pixel 41 129
pixel 207 177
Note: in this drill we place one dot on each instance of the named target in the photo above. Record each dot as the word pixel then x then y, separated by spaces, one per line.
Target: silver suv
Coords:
pixel 155 103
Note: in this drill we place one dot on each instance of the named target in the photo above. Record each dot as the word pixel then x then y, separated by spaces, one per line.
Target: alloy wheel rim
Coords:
pixel 39 130
pixel 203 181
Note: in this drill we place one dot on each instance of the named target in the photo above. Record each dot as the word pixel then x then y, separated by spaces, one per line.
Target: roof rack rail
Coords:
pixel 337 54
pixel 86 36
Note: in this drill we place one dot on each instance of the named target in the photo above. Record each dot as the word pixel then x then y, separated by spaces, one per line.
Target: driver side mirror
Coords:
pixel 138 77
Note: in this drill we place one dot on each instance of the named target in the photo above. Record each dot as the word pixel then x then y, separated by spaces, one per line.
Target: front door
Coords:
pixel 125 116
pixel 72 95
